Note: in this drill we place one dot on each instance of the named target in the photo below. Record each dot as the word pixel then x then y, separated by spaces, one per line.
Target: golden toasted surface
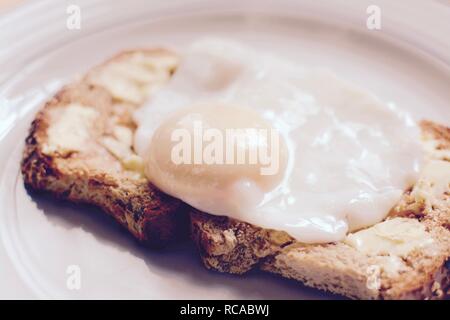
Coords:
pixel 405 257
pixel 79 146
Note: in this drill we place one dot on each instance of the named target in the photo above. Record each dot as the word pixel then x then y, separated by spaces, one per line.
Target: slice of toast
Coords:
pixel 404 257
pixel 79 146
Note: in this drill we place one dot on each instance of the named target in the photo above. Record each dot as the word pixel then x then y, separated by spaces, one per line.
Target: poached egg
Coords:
pixel 341 158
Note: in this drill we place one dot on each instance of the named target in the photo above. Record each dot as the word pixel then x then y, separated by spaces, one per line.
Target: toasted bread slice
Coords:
pixel 404 257
pixel 79 146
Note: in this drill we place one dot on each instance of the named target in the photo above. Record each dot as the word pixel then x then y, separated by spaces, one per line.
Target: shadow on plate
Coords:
pixel 180 258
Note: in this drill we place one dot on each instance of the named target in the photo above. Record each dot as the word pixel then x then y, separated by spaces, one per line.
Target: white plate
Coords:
pixel 406 62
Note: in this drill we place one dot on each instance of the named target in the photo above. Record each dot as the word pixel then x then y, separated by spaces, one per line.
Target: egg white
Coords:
pixel 351 156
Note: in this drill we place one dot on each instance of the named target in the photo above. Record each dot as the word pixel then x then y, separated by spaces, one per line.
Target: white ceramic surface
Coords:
pixel 407 62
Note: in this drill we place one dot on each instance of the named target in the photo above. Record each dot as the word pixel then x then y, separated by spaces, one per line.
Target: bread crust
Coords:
pixel 231 246
pixel 93 175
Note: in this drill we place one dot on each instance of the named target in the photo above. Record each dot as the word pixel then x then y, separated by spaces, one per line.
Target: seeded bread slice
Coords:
pixel 404 257
pixel 79 146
